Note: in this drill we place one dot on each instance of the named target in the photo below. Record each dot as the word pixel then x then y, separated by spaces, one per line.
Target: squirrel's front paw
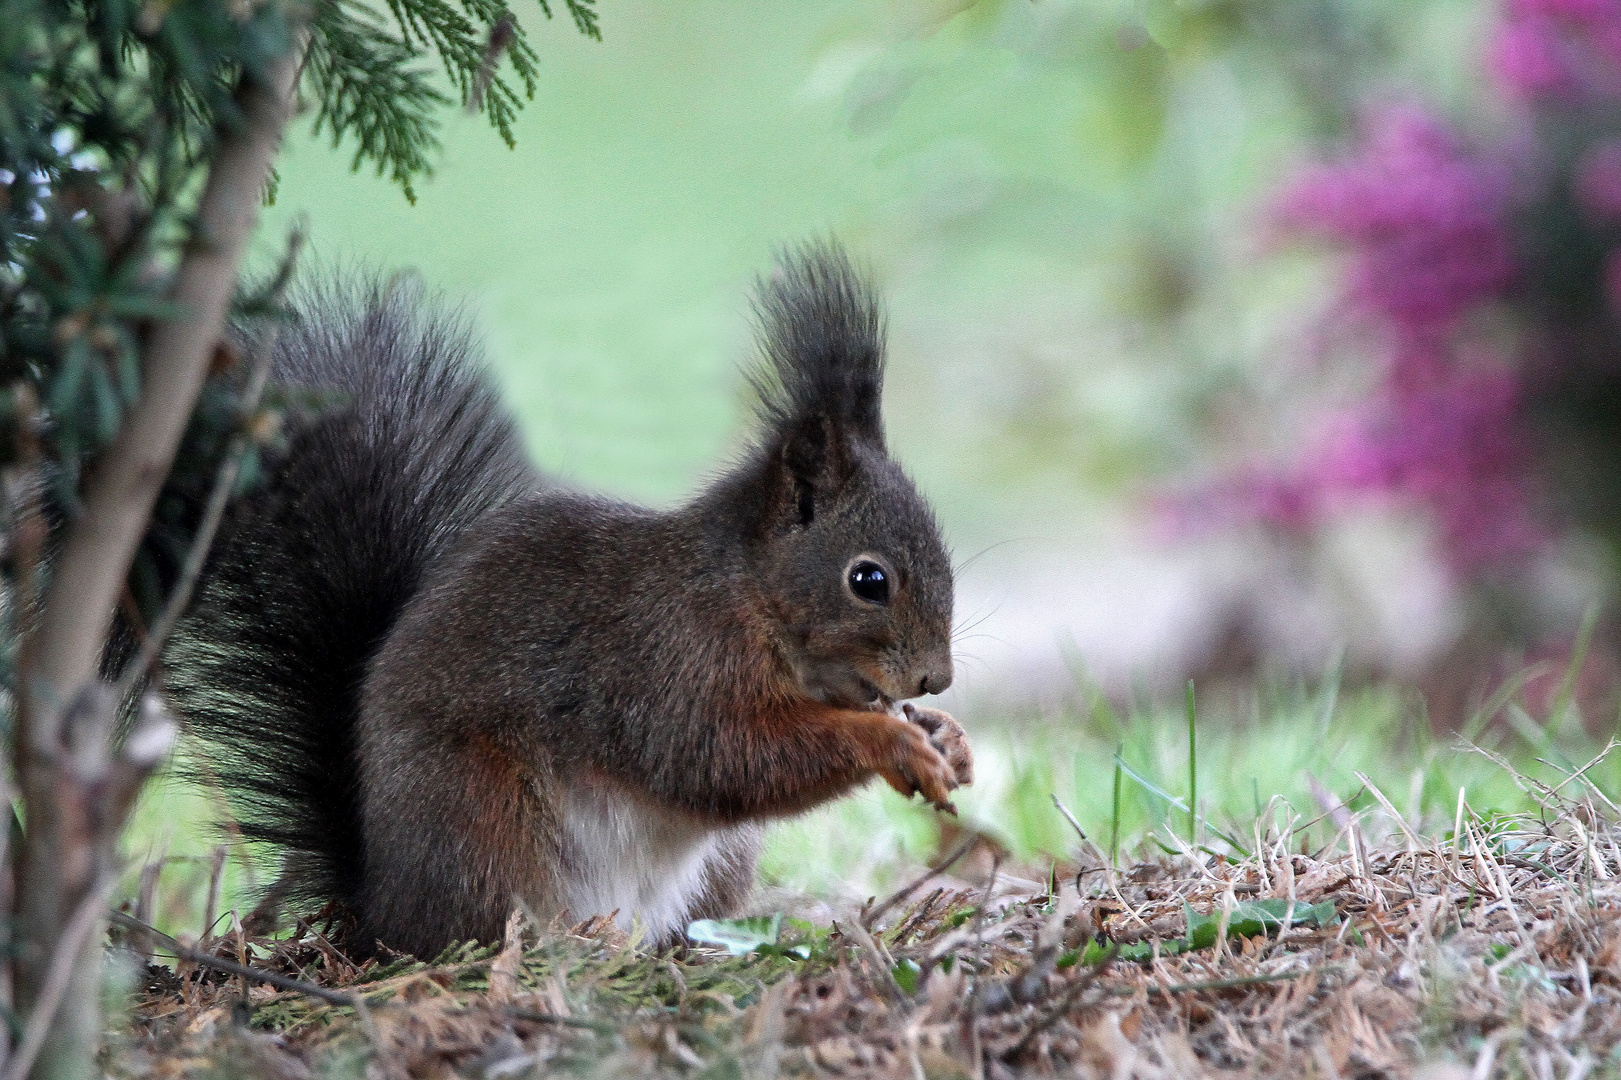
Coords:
pixel 916 766
pixel 948 737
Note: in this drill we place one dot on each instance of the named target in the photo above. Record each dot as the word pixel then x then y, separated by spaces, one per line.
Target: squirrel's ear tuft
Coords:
pixel 821 330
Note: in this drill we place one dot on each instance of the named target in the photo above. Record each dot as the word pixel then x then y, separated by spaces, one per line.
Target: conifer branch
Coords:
pixel 61 654
pixel 372 87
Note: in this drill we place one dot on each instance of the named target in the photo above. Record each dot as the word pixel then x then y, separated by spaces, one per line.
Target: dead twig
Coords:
pixel 231 967
pixel 1208 984
pixel 1071 995
pixel 562 1021
pixel 900 896
pixel 880 963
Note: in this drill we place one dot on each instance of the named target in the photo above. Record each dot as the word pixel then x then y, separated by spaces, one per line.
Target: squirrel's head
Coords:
pixel 849 562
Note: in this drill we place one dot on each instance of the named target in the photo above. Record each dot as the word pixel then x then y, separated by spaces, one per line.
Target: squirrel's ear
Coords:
pixel 821 333
pixel 816 463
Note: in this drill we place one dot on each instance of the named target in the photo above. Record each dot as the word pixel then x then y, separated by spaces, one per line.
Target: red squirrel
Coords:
pixel 444 684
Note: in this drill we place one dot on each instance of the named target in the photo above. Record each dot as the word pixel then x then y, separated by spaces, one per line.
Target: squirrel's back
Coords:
pixel 410 444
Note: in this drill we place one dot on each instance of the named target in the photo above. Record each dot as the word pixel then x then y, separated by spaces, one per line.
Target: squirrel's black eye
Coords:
pixel 869 581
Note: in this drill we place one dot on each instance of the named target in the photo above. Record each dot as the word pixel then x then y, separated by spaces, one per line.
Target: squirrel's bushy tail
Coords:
pixel 312 568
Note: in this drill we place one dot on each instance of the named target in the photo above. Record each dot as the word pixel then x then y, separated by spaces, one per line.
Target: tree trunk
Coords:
pixel 76 792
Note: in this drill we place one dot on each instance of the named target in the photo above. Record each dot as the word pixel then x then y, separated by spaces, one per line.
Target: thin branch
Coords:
pixel 1211 984
pixel 197 555
pixel 1107 865
pixel 967 845
pixel 231 967
pixel 562 1021
pixel 881 965
pixel 1071 995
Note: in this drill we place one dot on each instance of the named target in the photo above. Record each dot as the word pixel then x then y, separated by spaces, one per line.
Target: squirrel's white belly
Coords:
pixel 622 854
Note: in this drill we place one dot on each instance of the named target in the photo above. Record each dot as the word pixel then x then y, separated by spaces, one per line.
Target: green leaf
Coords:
pixel 1249 918
pixel 1096 951
pixel 64 396
pixel 108 410
pixel 906 974
pixel 1201 928
pixel 1253 918
pixel 737 936
pixel 1173 801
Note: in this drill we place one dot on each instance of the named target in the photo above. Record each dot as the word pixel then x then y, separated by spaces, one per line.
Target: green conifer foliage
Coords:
pixel 110 111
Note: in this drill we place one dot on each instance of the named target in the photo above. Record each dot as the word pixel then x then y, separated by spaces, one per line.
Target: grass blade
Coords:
pixel 1114 830
pixel 1578 656
pixel 1193 774
pixel 1176 804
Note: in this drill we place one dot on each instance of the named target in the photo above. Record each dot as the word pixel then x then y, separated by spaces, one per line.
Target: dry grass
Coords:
pixel 1492 951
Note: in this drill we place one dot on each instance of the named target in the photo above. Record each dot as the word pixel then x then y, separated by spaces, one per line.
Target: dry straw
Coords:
pixel 1494 951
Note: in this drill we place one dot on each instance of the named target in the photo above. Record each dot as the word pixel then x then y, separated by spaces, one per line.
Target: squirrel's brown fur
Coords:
pixel 563 699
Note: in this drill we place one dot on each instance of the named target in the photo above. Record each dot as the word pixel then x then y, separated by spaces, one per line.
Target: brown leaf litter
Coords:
pixel 1494 952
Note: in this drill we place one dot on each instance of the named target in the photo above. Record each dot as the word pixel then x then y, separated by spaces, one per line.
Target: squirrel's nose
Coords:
pixel 937 679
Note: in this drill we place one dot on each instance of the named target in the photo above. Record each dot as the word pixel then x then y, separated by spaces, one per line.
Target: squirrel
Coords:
pixel 445 684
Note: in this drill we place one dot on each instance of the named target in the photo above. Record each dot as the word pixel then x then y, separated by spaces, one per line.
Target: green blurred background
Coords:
pixel 1060 200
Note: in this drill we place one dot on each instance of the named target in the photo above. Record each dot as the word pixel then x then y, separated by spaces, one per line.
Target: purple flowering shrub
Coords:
pixel 1558 49
pixel 1438 234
